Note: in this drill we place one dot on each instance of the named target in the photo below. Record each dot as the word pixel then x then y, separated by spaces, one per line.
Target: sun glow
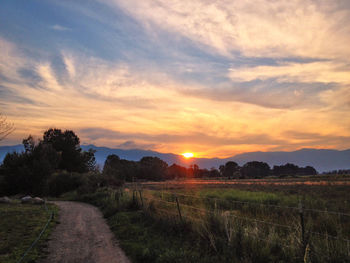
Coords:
pixel 188 155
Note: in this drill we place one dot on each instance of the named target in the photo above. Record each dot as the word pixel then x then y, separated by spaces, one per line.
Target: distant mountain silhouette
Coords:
pixel 321 159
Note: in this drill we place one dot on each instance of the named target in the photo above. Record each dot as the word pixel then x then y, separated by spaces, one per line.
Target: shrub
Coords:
pixel 63 182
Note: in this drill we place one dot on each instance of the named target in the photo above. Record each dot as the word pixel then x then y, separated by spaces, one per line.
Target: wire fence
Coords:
pixel 171 203
pixel 51 215
pixel 259 204
pixel 206 211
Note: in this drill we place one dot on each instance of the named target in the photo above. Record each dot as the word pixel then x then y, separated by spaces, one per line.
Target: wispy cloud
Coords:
pixel 254 28
pixel 60 28
pixel 216 78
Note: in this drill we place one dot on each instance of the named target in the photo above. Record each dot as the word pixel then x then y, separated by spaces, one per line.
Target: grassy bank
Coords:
pixel 142 236
pixel 19 227
pixel 221 225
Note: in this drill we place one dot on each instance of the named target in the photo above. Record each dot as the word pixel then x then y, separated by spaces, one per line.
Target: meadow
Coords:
pixel 229 223
pixel 20 225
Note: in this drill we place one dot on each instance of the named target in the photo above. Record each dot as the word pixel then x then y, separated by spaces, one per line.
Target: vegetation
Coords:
pixel 56 164
pixel 182 225
pixel 225 224
pixel 30 171
pixel 154 169
pixel 19 227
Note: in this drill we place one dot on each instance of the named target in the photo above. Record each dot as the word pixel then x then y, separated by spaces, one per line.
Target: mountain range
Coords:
pixel 321 159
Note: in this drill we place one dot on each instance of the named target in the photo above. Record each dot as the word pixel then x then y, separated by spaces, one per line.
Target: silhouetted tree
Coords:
pixel 230 169
pixel 119 169
pixel 176 172
pixel 287 169
pixel 255 170
pixel 214 172
pixel 67 143
pixel 308 170
pixel 292 169
pixel 153 168
pixel 27 172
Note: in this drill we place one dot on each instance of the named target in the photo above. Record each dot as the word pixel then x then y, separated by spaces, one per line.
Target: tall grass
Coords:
pixel 257 226
pixel 221 226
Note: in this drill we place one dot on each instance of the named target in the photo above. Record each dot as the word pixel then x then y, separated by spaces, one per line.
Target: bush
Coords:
pixel 92 181
pixel 63 182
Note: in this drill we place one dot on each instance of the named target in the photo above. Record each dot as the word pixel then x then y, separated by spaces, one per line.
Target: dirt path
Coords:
pixel 83 236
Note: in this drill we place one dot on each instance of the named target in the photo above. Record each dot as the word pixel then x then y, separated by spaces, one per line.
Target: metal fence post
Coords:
pixel 178 207
pixel 302 224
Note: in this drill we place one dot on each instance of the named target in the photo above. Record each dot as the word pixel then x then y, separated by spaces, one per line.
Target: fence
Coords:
pixel 51 215
pixel 177 205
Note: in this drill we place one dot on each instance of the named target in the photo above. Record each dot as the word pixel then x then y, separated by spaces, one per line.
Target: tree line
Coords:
pixel 34 171
pixel 155 169
pixel 56 164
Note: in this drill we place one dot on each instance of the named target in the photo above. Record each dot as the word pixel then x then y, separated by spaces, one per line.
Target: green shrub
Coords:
pixel 63 182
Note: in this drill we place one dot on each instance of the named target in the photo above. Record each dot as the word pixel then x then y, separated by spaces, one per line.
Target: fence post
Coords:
pixel 302 224
pixel 141 197
pixel 178 207
pixel 116 196
pixel 133 197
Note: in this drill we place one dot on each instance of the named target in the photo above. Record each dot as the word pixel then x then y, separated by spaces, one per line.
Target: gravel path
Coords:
pixel 83 236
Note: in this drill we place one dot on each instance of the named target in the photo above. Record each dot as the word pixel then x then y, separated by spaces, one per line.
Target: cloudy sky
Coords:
pixel 215 78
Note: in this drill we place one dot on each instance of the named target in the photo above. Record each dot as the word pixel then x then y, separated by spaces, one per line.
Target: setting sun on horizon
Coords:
pixel 188 155
pixel 238 77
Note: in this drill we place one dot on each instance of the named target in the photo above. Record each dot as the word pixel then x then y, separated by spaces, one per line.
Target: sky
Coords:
pixel 215 78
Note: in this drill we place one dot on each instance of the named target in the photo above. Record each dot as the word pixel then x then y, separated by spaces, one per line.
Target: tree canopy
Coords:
pixel 28 172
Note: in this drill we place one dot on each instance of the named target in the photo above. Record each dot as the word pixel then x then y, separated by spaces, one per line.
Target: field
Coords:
pixel 220 222
pixel 20 225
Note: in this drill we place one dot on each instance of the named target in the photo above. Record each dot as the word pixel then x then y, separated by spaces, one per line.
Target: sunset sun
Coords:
pixel 187 155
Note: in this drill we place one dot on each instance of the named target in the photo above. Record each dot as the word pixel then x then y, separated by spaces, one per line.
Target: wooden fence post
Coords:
pixel 141 197
pixel 302 224
pixel 116 196
pixel 133 197
pixel 178 207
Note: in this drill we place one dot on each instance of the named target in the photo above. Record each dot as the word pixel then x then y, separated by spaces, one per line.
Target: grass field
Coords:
pixel 240 223
pixel 19 227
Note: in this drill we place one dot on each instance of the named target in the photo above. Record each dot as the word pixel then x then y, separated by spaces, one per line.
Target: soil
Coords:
pixel 82 235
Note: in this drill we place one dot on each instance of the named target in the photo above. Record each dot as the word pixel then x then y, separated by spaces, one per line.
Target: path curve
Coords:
pixel 82 236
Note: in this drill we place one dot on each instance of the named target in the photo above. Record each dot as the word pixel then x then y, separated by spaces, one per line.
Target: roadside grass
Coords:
pixel 150 228
pixel 143 237
pixel 20 224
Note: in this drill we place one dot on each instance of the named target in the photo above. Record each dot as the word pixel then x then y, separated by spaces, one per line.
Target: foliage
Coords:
pixel 152 168
pixel 120 169
pixel 67 143
pixel 151 231
pixel 230 169
pixel 292 169
pixel 176 172
pixel 62 182
pixel 255 170
pixel 28 172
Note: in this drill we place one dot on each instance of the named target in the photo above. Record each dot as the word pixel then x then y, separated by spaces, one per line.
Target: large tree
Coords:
pixel 120 169
pixel 255 170
pixel 67 144
pixel 28 172
pixel 230 169
pixel 153 168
